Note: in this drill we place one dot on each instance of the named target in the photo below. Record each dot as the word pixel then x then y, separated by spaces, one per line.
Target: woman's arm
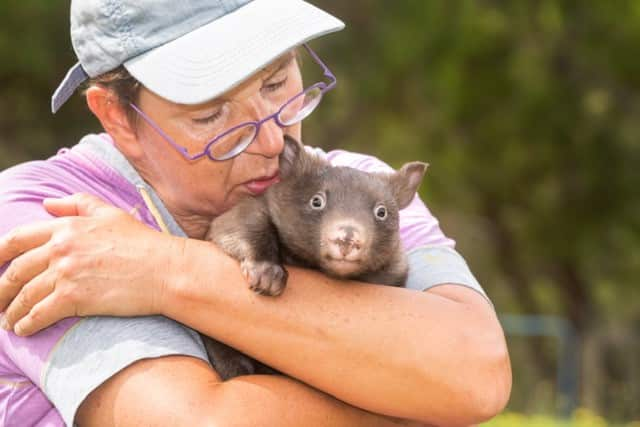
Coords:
pixel 437 356
pixel 185 391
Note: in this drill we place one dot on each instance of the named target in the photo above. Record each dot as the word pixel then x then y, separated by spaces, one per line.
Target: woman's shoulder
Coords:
pixel 67 172
pixel 23 187
pixel 37 179
pixel 62 172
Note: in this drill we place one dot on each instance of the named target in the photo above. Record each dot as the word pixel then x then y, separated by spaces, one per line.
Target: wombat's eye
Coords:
pixel 380 212
pixel 318 202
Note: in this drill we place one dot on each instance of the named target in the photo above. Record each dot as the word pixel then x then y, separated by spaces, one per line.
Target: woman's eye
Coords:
pixel 272 87
pixel 209 119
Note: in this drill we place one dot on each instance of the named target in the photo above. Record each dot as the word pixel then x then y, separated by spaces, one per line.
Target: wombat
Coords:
pixel 339 220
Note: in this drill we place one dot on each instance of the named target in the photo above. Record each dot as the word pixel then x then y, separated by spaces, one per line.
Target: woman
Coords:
pixel 195 98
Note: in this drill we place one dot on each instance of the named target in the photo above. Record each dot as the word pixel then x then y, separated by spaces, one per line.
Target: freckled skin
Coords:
pixel 339 220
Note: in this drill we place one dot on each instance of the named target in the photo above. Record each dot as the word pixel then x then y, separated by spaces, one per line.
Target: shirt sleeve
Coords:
pixel 433 259
pixel 430 266
pixel 73 357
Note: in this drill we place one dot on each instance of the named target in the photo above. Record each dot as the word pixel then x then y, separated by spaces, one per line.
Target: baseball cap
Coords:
pixel 186 51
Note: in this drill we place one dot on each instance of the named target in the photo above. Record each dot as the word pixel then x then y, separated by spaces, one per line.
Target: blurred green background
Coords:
pixel 527 111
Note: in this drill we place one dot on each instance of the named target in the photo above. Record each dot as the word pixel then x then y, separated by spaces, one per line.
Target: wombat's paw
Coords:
pixel 264 277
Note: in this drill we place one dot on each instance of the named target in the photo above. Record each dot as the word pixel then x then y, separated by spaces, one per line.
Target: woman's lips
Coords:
pixel 259 185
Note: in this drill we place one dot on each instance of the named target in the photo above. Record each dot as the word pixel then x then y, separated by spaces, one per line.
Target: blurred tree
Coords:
pixel 36 53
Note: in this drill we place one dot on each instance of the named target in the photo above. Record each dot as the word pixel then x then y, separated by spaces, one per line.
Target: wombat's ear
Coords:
pixel 289 158
pixel 406 181
pixel 295 160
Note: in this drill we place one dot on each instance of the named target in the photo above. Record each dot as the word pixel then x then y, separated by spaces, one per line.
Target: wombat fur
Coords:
pixel 339 220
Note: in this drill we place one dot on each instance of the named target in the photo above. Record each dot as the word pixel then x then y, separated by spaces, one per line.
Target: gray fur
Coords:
pixel 318 216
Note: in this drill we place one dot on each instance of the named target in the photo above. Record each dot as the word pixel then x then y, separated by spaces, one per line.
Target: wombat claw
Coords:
pixel 264 277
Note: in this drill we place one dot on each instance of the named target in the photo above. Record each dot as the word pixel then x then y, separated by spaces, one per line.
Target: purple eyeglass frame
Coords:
pixel 324 87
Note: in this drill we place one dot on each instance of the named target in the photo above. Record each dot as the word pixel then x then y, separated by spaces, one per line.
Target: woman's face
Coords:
pixel 202 189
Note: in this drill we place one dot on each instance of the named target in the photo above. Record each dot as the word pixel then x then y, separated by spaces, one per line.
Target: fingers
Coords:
pixel 42 315
pixel 21 239
pixel 34 292
pixel 21 271
pixel 79 204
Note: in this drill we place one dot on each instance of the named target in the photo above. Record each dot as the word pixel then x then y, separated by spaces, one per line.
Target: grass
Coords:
pixel 580 418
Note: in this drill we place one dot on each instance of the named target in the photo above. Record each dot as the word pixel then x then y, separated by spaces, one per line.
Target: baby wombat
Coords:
pixel 339 220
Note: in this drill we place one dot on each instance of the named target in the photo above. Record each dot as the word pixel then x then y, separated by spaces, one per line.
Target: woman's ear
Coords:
pixel 104 104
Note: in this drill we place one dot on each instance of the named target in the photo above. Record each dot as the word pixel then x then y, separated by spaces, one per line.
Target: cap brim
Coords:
pixel 74 78
pixel 216 57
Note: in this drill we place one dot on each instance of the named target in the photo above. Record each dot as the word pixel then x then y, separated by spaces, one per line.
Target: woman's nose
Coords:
pixel 269 141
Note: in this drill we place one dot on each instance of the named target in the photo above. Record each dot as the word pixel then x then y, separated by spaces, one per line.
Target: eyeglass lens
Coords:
pixel 237 140
pixel 300 106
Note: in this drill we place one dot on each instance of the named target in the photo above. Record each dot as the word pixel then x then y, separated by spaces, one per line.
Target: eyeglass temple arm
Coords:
pixel 170 140
pixel 326 72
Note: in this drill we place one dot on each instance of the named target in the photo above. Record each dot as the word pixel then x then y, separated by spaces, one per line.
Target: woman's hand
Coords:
pixel 97 260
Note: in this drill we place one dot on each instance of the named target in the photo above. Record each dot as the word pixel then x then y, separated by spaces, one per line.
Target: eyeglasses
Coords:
pixel 235 140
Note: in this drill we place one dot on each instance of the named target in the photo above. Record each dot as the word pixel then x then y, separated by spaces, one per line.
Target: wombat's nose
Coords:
pixel 346 242
pixel 348 231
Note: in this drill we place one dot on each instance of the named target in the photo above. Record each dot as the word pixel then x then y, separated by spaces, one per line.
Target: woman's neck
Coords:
pixel 194 227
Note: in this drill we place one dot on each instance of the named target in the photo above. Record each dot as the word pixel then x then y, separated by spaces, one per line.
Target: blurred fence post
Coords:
pixel 568 366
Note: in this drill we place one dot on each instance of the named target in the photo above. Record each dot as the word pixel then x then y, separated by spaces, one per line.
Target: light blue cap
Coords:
pixel 186 51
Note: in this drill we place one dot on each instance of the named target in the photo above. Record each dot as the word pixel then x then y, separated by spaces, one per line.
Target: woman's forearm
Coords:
pixel 392 351
pixel 182 390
